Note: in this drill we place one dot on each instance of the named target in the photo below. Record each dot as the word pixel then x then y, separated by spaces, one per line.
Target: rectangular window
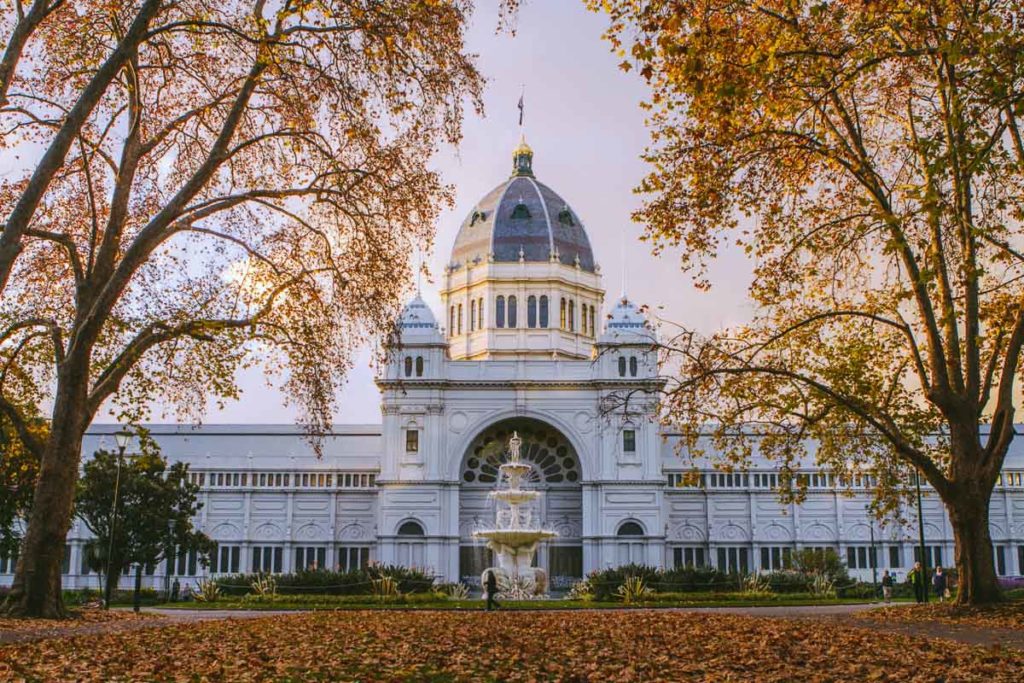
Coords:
pixel 861 557
pixel 895 557
pixel 933 553
pixel 687 557
pixel 310 558
pixel 412 440
pixel 225 559
pixel 733 560
pixel 65 564
pixel 774 558
pixel 1000 553
pixel 1020 559
pixel 351 558
pixel 267 558
pixel 629 440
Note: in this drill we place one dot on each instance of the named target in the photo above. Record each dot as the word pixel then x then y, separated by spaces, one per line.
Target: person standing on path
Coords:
pixel 916 579
pixel 939 584
pixel 491 586
pixel 887 583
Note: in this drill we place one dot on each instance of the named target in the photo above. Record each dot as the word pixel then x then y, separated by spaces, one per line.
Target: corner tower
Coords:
pixel 522 281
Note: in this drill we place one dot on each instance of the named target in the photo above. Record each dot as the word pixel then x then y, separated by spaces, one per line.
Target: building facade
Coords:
pixel 525 344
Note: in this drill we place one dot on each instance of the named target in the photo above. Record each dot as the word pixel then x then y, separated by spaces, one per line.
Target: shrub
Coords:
pixel 206 591
pixel 355 582
pixel 757 584
pixel 859 590
pixel 788 581
pixel 823 587
pixel 385 588
pixel 696 579
pixel 633 590
pixel 581 590
pixel 824 562
pixel 264 584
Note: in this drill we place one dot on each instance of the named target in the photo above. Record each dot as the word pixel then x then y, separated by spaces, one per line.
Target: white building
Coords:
pixel 526 346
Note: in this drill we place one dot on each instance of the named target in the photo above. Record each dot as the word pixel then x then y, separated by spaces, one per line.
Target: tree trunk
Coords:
pixel 36 590
pixel 968 513
pixel 137 598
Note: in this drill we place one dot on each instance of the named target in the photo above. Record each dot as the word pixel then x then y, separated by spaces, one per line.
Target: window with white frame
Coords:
pixel 861 557
pixel 310 558
pixel 733 559
pixel 774 558
pixel 933 553
pixel 629 440
pixel 412 440
pixel 353 557
pixel 268 558
pixel 688 556
pixel 895 557
pixel 226 559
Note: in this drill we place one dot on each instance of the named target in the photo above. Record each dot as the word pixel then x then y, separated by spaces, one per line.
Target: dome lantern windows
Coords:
pixel 499 312
pixel 521 212
pixel 531 311
pixel 512 311
pixel 544 311
pixel 408 366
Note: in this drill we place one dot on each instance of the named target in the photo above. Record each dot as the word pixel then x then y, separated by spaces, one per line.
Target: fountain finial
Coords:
pixel 514 444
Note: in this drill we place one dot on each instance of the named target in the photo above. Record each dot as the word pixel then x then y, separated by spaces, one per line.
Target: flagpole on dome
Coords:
pixel 522 108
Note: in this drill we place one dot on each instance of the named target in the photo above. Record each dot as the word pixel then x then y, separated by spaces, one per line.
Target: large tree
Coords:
pixel 211 184
pixel 875 151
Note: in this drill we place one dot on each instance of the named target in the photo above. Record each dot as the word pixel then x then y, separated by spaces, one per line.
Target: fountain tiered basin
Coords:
pixel 516 535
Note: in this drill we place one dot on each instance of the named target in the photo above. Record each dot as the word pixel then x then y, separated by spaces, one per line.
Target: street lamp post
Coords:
pixel 122 438
pixel 920 537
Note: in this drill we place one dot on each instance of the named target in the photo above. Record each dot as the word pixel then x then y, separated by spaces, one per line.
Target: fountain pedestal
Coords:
pixel 516 535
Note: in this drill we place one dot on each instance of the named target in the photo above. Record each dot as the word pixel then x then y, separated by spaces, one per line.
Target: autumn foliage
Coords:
pixel 207 185
pixel 868 158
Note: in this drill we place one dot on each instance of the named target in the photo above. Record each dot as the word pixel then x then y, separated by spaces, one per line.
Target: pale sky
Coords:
pixel 586 128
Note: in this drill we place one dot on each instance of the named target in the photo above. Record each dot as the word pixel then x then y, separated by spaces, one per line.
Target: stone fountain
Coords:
pixel 516 534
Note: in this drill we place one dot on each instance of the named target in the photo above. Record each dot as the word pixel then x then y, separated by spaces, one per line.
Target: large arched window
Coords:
pixel 632 366
pixel 408 366
pixel 531 311
pixel 572 316
pixel 499 311
pixel 411 528
pixel 583 318
pixel 460 318
pixel 451 321
pixel 622 366
pixel 630 529
pixel 480 319
pixel 544 311
pixel 592 321
pixel 419 366
pixel 561 314
pixel 512 309
pixel 472 315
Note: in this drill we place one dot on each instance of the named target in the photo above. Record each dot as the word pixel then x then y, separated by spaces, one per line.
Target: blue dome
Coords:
pixel 523 219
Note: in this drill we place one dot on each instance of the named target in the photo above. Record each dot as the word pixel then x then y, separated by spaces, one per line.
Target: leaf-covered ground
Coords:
pixel 80 621
pixel 506 646
pixel 1006 616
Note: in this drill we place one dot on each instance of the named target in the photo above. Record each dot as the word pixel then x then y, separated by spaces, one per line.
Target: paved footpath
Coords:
pixel 843 614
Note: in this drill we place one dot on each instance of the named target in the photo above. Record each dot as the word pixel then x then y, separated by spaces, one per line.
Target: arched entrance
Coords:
pixel 556 472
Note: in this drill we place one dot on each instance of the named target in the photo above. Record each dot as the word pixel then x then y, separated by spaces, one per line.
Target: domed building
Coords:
pixel 522 281
pixel 524 344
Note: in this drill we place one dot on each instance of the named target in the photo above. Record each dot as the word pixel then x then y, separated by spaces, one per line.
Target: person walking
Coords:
pixel 916 579
pixel 491 585
pixel 175 590
pixel 887 583
pixel 939 584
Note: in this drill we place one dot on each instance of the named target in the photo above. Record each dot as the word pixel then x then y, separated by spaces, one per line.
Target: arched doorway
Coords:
pixel 556 472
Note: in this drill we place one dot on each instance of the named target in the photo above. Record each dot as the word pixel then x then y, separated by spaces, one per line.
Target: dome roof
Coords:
pixel 627 324
pixel 522 219
pixel 417 322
